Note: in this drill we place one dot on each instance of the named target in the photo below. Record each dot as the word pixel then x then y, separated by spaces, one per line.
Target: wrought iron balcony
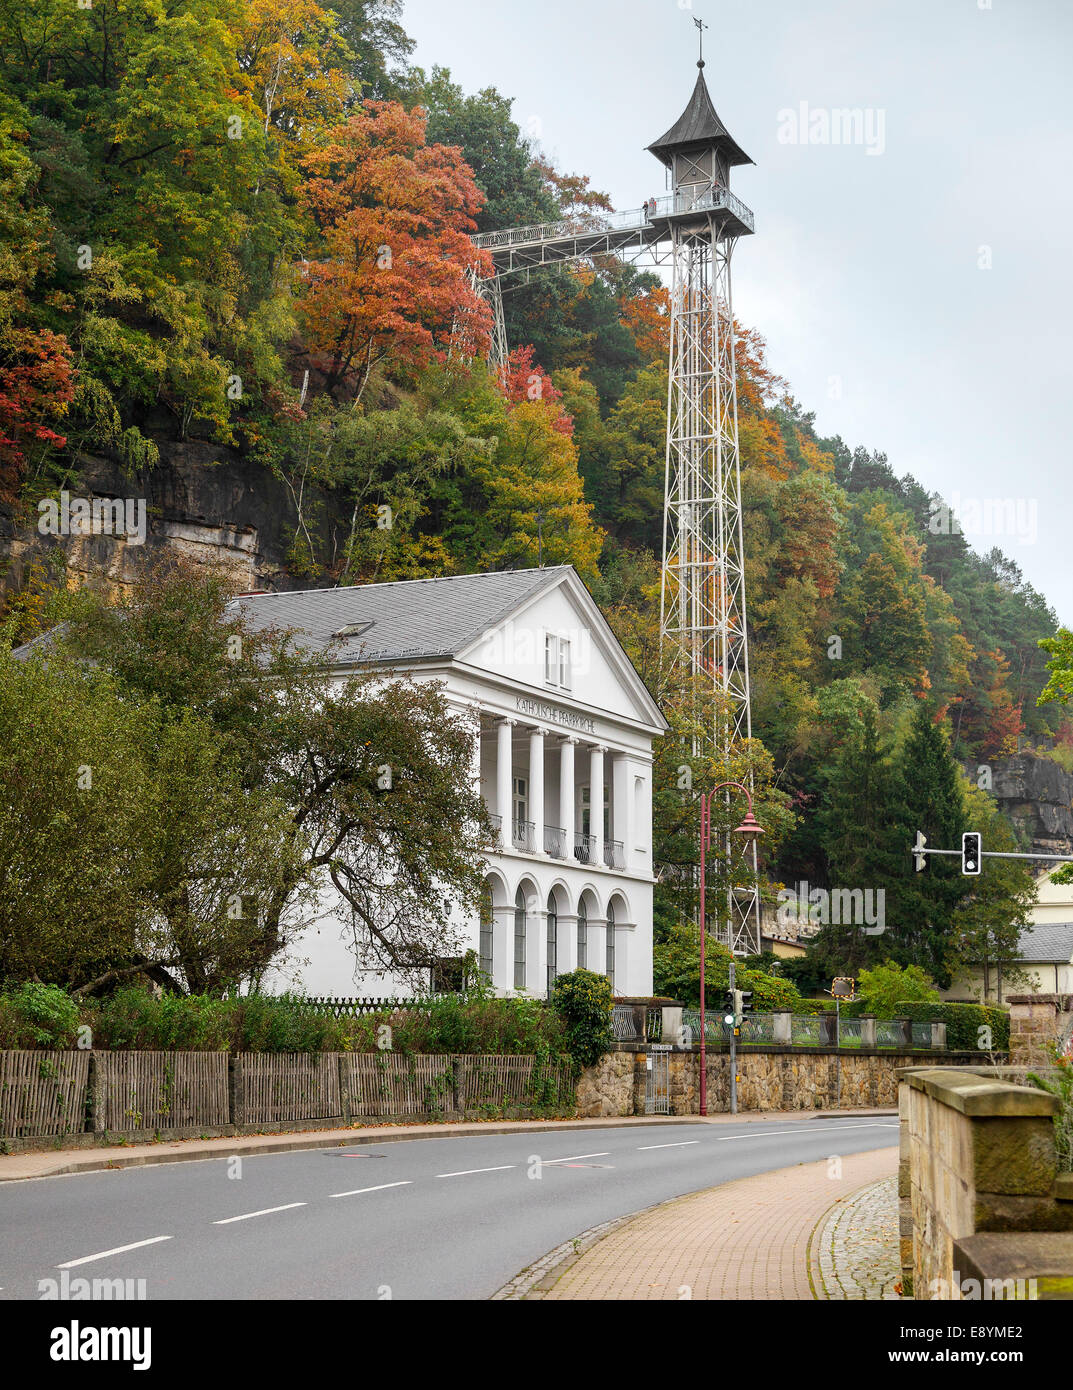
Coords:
pixel 585 848
pixel 497 821
pixel 555 841
pixel 524 833
pixel 614 857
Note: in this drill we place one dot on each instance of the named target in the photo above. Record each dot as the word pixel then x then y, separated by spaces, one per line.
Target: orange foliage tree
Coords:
pixel 393 216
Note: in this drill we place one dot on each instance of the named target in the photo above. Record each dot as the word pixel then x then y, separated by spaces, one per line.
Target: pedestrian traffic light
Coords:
pixel 971 852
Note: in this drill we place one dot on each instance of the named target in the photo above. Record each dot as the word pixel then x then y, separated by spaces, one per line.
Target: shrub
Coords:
pixel 1060 1085
pixel 583 1000
pixel 37 1015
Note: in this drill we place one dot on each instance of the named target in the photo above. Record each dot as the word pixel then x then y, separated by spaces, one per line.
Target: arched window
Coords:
pixel 487 930
pixel 519 940
pixel 609 963
pixel 582 935
pixel 553 942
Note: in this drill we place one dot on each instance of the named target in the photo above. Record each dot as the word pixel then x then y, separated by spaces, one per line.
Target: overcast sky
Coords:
pixel 915 287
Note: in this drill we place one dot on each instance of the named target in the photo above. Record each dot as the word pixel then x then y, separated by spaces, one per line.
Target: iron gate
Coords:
pixel 658 1083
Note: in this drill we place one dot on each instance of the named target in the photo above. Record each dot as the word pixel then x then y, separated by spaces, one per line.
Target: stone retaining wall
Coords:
pixel 799 1078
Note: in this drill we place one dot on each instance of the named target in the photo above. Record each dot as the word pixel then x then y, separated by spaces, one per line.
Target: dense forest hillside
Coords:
pixel 234 256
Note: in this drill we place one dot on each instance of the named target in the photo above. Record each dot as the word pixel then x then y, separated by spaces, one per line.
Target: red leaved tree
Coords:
pixel 393 216
pixel 36 386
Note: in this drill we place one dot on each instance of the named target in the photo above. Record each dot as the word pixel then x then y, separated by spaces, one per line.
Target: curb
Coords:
pixel 322 1139
pixel 191 1151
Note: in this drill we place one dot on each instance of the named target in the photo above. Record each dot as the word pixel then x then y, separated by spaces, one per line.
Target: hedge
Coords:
pixel 132 1019
pixel 963 1022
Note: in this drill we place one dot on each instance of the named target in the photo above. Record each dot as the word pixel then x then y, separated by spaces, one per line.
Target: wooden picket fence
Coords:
pixel 275 1087
pixel 384 1084
pixel 160 1090
pixel 43 1093
pixel 55 1093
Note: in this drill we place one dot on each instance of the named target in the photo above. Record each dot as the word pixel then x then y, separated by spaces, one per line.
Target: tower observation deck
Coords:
pixel 693 232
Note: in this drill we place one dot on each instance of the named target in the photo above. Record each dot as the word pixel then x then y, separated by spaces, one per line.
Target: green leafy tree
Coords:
pixel 885 986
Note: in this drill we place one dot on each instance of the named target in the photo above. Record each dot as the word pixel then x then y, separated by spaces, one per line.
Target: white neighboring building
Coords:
pixel 566 725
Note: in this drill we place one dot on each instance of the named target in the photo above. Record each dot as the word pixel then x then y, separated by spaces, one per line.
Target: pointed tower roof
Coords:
pixel 699 124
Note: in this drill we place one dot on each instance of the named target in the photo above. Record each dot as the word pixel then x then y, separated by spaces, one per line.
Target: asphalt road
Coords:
pixel 450 1218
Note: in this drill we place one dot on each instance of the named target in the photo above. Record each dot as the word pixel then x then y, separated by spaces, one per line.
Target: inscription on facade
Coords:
pixel 554 714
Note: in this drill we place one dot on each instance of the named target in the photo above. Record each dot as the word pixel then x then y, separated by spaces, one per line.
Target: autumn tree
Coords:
pixel 393 217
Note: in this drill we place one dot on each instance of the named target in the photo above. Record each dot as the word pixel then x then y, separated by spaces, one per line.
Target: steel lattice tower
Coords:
pixel 693 231
pixel 702 593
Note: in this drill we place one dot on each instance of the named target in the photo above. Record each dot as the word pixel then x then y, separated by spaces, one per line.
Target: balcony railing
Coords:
pixel 497 821
pixel 555 841
pixel 584 848
pixel 613 855
pixel 524 832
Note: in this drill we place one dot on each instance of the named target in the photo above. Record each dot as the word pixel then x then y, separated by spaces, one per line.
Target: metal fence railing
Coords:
pixel 849 1032
pixel 888 1033
pixel 624 1023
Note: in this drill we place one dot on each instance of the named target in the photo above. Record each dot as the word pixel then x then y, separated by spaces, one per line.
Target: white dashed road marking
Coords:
pixel 574 1158
pixel 465 1172
pixel 248 1216
pixel 118 1250
pixel 357 1191
pixel 682 1144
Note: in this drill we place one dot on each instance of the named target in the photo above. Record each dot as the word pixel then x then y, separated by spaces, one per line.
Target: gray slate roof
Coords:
pixel 699 124
pixel 1047 941
pixel 411 619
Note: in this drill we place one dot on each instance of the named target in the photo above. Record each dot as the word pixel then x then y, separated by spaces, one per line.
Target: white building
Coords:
pixel 566 725
pixel 1044 956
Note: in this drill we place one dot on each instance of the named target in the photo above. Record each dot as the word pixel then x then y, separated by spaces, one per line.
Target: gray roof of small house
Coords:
pixel 414 619
pixel 1047 941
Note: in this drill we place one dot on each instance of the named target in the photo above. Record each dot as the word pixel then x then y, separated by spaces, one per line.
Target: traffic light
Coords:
pixel 919 861
pixel 746 997
pixel 730 1008
pixel 971 852
pixel 737 1003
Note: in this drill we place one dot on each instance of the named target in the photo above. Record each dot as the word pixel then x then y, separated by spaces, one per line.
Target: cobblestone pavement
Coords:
pixel 748 1239
pixel 854 1252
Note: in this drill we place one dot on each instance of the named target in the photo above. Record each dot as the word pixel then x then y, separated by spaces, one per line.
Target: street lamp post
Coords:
pixel 748 828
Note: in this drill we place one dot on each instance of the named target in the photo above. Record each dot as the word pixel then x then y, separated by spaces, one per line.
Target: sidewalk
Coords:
pixel 49 1163
pixel 749 1239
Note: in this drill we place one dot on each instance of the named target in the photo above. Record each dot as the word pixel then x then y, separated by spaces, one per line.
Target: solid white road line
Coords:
pixel 573 1158
pixel 682 1144
pixel 357 1191
pixel 119 1250
pixel 248 1216
pixel 465 1172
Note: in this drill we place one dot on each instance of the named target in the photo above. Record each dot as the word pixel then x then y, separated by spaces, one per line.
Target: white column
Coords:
pixel 622 806
pixel 567 795
pixel 536 788
pixel 596 801
pixel 504 774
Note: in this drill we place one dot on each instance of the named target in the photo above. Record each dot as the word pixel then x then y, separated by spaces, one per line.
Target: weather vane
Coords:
pixel 701 26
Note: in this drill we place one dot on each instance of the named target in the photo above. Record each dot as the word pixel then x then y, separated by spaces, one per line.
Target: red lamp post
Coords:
pixel 747 829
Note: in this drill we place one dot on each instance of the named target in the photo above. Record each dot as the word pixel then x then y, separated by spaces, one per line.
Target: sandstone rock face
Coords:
pixel 1038 796
pixel 203 501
